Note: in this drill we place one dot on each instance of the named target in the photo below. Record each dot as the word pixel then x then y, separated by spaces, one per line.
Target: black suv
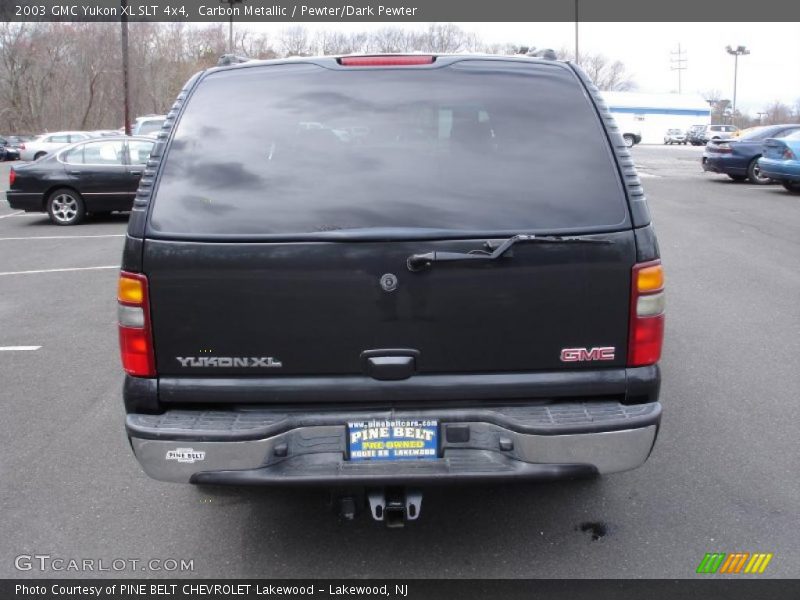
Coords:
pixel 390 271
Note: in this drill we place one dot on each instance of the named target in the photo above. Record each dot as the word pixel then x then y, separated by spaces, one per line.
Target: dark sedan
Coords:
pixel 12 145
pixel 738 157
pixel 96 176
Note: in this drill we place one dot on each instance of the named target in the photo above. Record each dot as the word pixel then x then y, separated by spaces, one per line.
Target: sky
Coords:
pixel 771 72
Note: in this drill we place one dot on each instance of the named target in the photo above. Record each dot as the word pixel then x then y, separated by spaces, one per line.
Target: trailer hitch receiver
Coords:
pixel 395 506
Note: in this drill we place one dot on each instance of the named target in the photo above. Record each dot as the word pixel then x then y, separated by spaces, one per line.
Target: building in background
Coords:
pixel 650 115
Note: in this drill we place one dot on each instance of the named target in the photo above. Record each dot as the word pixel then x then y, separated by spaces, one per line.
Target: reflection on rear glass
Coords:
pixel 490 146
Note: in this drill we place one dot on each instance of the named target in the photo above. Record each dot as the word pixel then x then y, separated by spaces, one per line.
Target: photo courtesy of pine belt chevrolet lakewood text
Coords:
pixel 389 272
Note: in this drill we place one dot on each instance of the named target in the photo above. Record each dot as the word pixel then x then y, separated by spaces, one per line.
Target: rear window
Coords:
pixel 483 146
pixel 759 133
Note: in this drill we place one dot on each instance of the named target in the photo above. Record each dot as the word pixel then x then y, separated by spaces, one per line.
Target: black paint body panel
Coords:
pixel 479 332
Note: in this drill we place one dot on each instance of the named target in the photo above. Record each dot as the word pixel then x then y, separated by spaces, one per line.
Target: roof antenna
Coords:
pixel 546 53
pixel 231 59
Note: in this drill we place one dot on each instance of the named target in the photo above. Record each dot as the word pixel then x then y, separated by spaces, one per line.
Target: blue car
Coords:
pixel 780 160
pixel 738 157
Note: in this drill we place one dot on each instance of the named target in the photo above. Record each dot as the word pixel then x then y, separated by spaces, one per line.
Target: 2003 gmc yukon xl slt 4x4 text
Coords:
pixel 390 271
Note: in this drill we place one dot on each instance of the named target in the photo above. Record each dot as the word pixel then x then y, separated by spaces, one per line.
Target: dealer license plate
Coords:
pixel 399 439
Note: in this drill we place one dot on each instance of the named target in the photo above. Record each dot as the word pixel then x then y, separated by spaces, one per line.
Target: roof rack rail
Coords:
pixel 231 59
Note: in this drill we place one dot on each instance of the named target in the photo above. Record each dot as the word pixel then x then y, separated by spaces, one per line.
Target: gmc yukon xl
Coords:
pixel 387 272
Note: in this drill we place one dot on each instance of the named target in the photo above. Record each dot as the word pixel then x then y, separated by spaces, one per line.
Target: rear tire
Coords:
pixel 39 155
pixel 754 173
pixel 66 207
pixel 793 187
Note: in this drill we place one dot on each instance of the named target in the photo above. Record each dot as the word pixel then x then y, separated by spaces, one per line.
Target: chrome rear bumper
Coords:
pixel 273 448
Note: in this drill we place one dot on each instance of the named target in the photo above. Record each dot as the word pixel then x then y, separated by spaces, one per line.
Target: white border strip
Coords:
pixel 59 270
pixel 59 237
pixel 18 348
pixel 19 212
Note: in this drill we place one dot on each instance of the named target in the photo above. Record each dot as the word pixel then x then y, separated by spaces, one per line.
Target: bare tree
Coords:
pixel 294 41
pixel 777 113
pixel 608 75
pixel 252 45
pixel 336 42
pixel 505 48
pixel 67 75
pixel 393 40
pixel 447 38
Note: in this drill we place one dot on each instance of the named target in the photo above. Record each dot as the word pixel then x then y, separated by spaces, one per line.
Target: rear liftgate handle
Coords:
pixel 390 364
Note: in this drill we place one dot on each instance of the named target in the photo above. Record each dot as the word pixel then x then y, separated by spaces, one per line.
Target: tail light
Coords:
pixel 386 61
pixel 12 177
pixel 135 334
pixel 647 314
pixel 21 146
pixel 788 154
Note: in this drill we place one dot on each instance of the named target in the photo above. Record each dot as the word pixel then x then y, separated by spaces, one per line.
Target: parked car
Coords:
pixel 780 161
pixel 715 132
pixel 740 132
pixel 13 143
pixel 148 125
pixel 105 133
pixel 92 177
pixel 675 136
pixel 631 138
pixel 693 134
pixel 738 158
pixel 50 142
pixel 498 316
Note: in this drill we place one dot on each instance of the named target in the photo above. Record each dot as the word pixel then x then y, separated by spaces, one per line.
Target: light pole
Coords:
pixel 577 61
pixel 231 3
pixel 126 101
pixel 736 52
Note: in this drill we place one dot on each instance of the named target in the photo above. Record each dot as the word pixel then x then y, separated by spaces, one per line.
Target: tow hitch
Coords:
pixel 393 506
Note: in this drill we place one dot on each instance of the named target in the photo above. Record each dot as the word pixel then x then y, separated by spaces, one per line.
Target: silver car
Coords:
pixel 148 125
pixel 675 136
pixel 50 142
pixel 717 132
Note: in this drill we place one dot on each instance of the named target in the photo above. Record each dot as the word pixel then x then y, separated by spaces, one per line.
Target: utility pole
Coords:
pixel 231 3
pixel 678 63
pixel 761 117
pixel 736 53
pixel 126 104
pixel 577 60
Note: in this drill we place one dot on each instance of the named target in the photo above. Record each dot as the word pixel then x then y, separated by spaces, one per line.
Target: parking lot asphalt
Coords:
pixel 723 475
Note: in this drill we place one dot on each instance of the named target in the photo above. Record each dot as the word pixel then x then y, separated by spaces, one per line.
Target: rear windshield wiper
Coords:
pixel 417 262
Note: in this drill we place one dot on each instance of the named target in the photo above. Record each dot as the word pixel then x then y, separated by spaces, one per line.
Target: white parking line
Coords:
pixel 59 270
pixel 60 237
pixel 18 348
pixel 19 212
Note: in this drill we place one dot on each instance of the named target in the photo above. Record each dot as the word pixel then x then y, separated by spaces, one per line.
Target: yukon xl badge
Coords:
pixel 229 361
pixel 584 354
pixel 186 455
